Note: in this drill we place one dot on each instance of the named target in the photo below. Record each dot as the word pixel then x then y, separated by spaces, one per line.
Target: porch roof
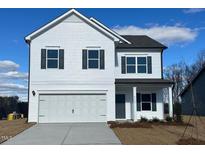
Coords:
pixel 143 81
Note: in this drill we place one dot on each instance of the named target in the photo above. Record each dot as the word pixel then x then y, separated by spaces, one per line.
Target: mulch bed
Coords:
pixel 190 141
pixel 172 124
pixel 149 124
pixel 129 125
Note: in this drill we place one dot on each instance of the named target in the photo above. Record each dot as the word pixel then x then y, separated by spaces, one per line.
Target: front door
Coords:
pixel 120 106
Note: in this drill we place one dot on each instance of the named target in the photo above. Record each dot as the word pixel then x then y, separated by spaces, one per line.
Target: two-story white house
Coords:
pixel 82 71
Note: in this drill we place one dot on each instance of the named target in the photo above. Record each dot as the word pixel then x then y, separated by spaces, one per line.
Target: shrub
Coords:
pixel 155 119
pixel 178 119
pixel 178 112
pixel 143 119
pixel 169 119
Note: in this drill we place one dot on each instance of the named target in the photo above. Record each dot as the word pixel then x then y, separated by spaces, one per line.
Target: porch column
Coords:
pixel 170 102
pixel 134 105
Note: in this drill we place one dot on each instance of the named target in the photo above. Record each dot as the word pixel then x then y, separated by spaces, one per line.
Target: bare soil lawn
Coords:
pixel 9 129
pixel 162 134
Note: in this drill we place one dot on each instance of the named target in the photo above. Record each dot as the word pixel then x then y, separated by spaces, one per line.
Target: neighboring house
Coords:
pixel 82 71
pixel 194 92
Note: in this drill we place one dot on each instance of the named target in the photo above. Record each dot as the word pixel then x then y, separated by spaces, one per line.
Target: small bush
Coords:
pixel 169 119
pixel 143 119
pixel 178 119
pixel 155 119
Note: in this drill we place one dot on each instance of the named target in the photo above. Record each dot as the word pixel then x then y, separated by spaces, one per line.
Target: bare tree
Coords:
pixel 192 70
pixel 182 74
pixel 175 73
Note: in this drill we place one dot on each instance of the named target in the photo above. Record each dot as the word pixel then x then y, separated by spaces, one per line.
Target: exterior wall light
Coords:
pixel 34 93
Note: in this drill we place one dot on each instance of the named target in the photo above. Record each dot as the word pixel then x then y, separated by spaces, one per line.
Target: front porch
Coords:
pixel 136 98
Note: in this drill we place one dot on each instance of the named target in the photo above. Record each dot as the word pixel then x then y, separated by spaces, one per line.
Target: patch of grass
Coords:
pixel 9 129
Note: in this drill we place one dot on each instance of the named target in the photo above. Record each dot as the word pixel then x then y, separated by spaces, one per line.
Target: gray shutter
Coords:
pixel 84 59
pixel 123 69
pixel 149 64
pixel 154 102
pixel 61 59
pixel 43 58
pixel 102 59
pixel 138 102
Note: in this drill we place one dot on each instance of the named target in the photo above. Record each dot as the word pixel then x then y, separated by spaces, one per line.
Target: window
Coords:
pixel 141 64
pixel 146 102
pixel 136 64
pixel 93 59
pixel 52 58
pixel 131 65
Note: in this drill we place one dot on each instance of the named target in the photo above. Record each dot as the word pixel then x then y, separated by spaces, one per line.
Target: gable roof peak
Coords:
pixel 109 33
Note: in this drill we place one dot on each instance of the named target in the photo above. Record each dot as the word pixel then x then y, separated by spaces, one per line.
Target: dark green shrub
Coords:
pixel 143 119
pixel 177 112
pixel 177 108
pixel 169 119
pixel 155 119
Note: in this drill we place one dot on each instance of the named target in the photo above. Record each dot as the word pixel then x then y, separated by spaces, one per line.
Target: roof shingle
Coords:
pixel 140 41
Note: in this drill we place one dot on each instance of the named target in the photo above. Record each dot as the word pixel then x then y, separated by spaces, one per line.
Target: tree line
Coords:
pixel 182 73
pixel 11 104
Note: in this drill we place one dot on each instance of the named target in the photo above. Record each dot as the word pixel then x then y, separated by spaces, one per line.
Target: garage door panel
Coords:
pixel 86 107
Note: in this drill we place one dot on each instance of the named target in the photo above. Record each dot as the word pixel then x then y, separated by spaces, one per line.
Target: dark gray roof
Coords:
pixel 143 81
pixel 193 80
pixel 140 41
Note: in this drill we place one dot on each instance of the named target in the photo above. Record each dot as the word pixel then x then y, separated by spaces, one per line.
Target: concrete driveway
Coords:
pixel 68 134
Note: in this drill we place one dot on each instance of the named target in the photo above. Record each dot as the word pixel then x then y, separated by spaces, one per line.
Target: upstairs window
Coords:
pixel 52 58
pixel 136 65
pixel 93 59
pixel 141 64
pixel 131 65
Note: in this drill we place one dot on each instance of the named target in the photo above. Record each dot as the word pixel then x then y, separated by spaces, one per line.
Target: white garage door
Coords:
pixel 72 108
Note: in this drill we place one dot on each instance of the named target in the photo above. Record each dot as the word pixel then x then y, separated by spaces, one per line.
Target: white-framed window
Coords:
pixel 146 102
pixel 141 64
pixel 136 64
pixel 93 59
pixel 52 58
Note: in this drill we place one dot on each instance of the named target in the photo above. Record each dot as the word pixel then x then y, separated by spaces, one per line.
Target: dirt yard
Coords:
pixel 9 129
pixel 160 134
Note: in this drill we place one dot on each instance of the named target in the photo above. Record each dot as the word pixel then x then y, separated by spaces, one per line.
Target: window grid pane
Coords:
pixel 93 63
pixel 141 60
pixel 131 69
pixel 131 64
pixel 146 102
pixel 146 106
pixel 52 63
pixel 52 53
pixel 93 54
pixel 131 60
pixel 93 58
pixel 141 69
pixel 52 58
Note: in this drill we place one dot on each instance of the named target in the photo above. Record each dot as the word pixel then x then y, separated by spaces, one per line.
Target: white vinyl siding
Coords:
pixel 71 36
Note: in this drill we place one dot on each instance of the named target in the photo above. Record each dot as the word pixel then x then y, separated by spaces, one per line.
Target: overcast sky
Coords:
pixel 182 30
